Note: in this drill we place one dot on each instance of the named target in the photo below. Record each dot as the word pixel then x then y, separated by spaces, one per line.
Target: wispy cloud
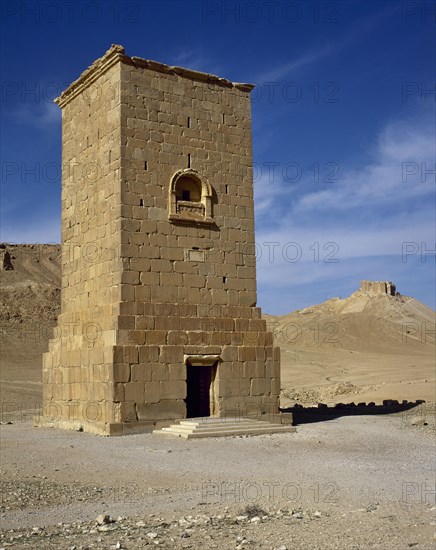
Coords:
pixel 353 35
pixel 282 71
pixel 369 213
pixel 38 115
pixel 399 172
pixel 196 60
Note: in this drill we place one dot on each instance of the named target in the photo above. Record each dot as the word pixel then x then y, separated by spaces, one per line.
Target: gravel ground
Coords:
pixel 348 483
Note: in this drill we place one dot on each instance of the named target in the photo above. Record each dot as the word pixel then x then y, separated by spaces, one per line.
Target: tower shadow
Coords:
pixel 323 413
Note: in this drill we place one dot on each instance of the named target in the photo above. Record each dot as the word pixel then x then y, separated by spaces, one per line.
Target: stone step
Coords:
pixel 215 425
pixel 217 429
pixel 227 433
pixel 190 429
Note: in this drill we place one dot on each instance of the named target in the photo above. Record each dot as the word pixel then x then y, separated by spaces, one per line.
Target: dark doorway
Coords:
pixel 198 380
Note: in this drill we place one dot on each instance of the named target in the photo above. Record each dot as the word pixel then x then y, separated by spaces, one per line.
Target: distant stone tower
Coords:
pixel 159 318
pixel 378 288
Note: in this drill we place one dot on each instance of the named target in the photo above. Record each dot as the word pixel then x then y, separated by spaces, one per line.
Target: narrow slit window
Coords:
pixel 189 161
pixel 145 165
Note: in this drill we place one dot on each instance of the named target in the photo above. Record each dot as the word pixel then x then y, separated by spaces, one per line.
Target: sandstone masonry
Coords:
pixel 378 287
pixel 158 315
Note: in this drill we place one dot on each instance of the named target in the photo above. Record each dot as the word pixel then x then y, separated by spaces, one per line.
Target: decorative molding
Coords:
pixel 116 54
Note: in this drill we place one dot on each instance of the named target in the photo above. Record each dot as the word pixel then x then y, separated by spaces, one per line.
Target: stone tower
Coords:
pixel 158 319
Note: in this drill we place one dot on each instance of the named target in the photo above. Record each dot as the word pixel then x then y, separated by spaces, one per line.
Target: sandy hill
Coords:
pixel 369 346
pixel 29 306
pixel 373 345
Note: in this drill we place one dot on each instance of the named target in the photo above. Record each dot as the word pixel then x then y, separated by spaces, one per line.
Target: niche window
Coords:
pixel 190 198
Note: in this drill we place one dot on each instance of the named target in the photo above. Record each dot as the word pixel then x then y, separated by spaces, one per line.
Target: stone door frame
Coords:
pixel 212 362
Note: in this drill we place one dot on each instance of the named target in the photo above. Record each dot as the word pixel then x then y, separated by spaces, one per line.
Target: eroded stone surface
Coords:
pixel 158 263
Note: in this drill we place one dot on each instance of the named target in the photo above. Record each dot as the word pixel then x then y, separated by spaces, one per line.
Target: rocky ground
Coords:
pixel 282 529
pixel 351 482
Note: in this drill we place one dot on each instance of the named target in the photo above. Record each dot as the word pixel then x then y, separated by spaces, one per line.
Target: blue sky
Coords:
pixel 343 126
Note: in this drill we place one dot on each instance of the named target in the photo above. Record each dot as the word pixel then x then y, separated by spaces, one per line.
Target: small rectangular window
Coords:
pixel 186 195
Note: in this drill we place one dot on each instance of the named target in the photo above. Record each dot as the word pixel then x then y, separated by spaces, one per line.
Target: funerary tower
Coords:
pixel 158 319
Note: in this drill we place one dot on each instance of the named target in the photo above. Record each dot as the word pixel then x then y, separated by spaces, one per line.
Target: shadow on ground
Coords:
pixel 322 413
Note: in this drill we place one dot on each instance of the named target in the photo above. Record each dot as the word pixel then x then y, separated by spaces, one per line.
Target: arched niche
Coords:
pixel 190 198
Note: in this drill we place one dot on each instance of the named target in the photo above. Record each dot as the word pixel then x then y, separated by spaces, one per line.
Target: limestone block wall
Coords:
pixel 200 280
pixel 171 122
pixel 147 291
pixel 152 373
pixel 77 370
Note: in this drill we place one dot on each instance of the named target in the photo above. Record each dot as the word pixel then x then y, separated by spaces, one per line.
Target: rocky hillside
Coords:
pixel 29 306
pixel 377 344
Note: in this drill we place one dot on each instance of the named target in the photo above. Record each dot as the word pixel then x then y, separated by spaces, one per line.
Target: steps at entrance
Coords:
pixel 222 427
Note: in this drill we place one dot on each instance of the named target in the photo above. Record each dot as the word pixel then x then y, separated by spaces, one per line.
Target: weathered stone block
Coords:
pixel 173 389
pixel 148 354
pixel 160 371
pixel 166 409
pixel 246 353
pixel 120 372
pixel 171 354
pixel 141 372
pixel 229 353
pixel 153 392
pixel 159 264
pixel 260 386
pixel 134 391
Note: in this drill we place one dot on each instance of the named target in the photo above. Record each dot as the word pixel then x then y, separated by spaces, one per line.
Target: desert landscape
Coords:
pixel 352 476
pixel 217 266
pixel 364 348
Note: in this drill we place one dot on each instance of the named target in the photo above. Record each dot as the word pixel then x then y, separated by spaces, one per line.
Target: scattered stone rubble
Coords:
pixel 279 529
